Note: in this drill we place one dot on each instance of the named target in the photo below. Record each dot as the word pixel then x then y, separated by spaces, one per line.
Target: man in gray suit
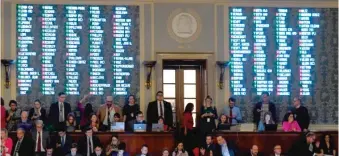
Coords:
pixel 41 138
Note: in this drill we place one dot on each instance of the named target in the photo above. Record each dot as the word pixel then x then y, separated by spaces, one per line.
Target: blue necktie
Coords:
pixel 62 141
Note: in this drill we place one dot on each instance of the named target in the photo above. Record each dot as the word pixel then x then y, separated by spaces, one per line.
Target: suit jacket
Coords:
pixel 102 111
pixel 280 155
pixel 116 154
pixel 212 148
pixel 102 154
pixel 26 146
pixel 249 154
pixel 153 116
pixel 67 146
pixel 301 148
pixel 54 113
pixel 231 148
pixel 42 116
pixel 69 154
pixel 82 144
pixel 45 138
pixel 256 114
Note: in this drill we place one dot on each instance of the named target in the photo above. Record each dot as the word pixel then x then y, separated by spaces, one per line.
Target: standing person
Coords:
pixel 208 116
pixel 187 126
pixel 88 143
pixel 6 142
pixel 303 147
pixel 263 107
pixel 58 111
pixel 106 113
pixel 84 112
pixel 3 114
pixel 159 108
pixel 13 115
pixel 301 114
pixel 24 146
pixel 40 138
pixel 232 112
pixel 37 112
pixel 130 109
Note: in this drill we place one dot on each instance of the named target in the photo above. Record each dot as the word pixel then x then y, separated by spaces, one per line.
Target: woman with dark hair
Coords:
pixel 121 150
pixel 208 116
pixel 130 109
pixel 84 112
pixel 290 124
pixel 113 146
pixel 71 124
pixel 94 123
pixel 13 115
pixel 326 145
pixel 187 126
pixel 179 150
pixel 37 112
pixel 161 121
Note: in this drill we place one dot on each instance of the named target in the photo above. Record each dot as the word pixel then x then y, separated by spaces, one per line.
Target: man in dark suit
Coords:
pixel 301 114
pixel 277 151
pixel 40 138
pixel 254 151
pixel 259 108
pixel 88 143
pixel 225 147
pixel 98 151
pixel 159 108
pixel 139 120
pixel 74 150
pixel 59 111
pixel 210 146
pixel 304 147
pixel 24 146
pixel 63 142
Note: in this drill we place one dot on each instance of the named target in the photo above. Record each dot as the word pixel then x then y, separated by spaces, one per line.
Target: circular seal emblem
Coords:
pixel 184 26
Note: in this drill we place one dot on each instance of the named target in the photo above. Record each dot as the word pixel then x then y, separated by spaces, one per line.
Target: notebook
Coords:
pixel 118 127
pixel 157 127
pixel 139 127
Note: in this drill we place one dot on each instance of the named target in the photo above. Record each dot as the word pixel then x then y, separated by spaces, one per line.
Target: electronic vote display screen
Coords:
pixel 76 49
pixel 279 50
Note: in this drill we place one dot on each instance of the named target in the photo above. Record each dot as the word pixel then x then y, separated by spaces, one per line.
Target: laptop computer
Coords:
pixel 271 127
pixel 157 127
pixel 139 127
pixel 118 127
pixel 224 127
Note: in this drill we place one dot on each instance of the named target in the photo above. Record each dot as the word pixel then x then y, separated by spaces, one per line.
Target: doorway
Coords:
pixel 184 82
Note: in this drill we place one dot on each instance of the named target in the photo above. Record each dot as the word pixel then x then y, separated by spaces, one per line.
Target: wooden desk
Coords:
pixel 244 140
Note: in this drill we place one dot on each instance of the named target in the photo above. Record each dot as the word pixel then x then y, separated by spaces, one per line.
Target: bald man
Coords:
pixel 106 112
pixel 24 122
pixel 254 151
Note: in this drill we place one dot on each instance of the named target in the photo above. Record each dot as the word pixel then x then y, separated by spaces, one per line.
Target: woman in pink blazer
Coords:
pixel 290 124
pixel 6 142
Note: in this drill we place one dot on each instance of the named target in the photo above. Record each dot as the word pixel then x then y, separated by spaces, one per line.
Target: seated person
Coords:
pixel 179 150
pixel 71 124
pixel 63 141
pixel 290 124
pixel 139 120
pixel 317 148
pixel 74 150
pixel 94 123
pixel 121 150
pixel 50 151
pixel 203 152
pixel 117 117
pixel 165 152
pixel 24 122
pixel 223 121
pixel 144 151
pixel 161 121
pixel 327 146
pixel 277 151
pixel 113 146
pixel 254 151
pixel 210 146
pixel 88 142
pixel 98 151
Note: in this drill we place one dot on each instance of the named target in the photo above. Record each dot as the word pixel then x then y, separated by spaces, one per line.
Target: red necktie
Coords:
pixel 39 142
pixel 231 116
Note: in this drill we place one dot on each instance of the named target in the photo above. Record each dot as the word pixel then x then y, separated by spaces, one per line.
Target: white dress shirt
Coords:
pixel 224 150
pixel 62 109
pixel 36 142
pixel 111 115
pixel 163 108
pixel 89 139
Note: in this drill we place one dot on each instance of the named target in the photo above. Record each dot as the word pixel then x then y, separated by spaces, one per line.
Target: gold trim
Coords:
pixel 2 48
pixel 13 79
pixel 180 39
pixel 142 57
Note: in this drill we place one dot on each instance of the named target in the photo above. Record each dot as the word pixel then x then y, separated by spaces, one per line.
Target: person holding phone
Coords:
pixel 208 116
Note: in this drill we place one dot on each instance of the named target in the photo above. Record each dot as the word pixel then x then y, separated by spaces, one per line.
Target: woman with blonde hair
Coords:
pixel 113 146
pixel 6 143
pixel 208 116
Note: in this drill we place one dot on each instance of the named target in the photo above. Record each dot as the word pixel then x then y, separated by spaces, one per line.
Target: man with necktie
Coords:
pixel 63 141
pixel 232 112
pixel 159 108
pixel 59 111
pixel 40 137
pixel 88 143
pixel 24 146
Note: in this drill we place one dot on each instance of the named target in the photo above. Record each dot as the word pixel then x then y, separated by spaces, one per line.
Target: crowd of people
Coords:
pixel 34 126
